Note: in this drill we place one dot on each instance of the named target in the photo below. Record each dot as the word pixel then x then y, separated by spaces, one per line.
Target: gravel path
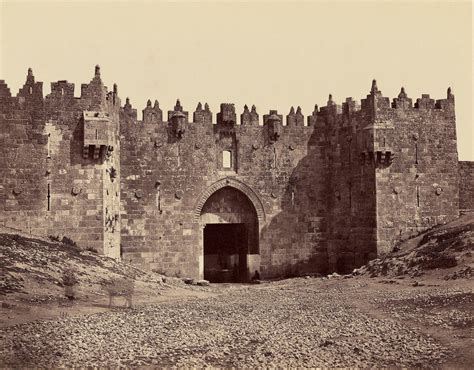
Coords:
pixel 298 323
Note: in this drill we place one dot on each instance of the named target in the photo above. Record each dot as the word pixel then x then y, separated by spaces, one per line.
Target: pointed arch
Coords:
pixel 231 182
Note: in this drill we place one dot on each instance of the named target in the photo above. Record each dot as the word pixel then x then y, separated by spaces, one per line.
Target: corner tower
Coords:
pixel 415 160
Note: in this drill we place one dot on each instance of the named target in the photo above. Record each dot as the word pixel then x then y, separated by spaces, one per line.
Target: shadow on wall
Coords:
pixel 294 243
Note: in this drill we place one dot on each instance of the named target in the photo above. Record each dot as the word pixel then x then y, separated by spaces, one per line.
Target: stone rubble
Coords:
pixel 298 322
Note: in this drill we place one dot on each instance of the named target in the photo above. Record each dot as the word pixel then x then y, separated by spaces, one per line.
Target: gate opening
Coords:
pixel 225 253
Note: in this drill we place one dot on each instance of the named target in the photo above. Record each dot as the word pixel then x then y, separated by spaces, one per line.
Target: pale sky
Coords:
pixel 271 54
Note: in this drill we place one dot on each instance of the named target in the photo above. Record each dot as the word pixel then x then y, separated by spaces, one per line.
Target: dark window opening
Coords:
pixel 49 197
pixel 416 153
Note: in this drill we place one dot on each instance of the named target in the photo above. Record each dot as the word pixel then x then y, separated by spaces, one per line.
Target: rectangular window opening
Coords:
pixel 227 159
pixel 49 197
pixel 49 146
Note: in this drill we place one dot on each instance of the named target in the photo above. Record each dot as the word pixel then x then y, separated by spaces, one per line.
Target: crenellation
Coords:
pixel 4 90
pixel 94 94
pixel 323 197
pixel 425 102
pixel 254 118
pixel 128 113
pixel 227 115
pixel 177 111
pixel 312 120
pixel 153 114
pixel 402 101
pixel 245 117
pixel 349 106
pixel 61 90
pixel 31 94
pixel 202 115
pixel 299 117
pixel 291 118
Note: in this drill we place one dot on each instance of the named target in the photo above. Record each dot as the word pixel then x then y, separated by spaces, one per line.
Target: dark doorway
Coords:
pixel 225 253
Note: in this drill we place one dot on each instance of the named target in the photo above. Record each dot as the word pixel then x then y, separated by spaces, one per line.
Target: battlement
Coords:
pixel 94 95
pixel 329 115
pixel 329 191
pixel 227 114
pixel 202 115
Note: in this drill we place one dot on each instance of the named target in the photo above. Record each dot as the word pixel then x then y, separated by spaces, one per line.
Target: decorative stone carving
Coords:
pixel 75 190
pixel 179 194
pixel 138 194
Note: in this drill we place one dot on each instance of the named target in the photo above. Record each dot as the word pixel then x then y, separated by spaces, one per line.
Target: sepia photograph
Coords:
pixel 236 184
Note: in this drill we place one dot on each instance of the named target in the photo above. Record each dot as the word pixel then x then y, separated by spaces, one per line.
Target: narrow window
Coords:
pixel 275 157
pixel 416 153
pixel 31 90
pixel 62 91
pixel 158 198
pixel 49 146
pixel 226 159
pixel 49 197
pixel 417 196
pixel 96 134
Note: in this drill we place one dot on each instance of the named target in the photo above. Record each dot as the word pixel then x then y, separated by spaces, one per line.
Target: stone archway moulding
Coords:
pixel 234 184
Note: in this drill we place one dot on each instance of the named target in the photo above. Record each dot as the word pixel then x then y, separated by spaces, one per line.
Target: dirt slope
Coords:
pixel 35 266
pixel 31 280
pixel 445 251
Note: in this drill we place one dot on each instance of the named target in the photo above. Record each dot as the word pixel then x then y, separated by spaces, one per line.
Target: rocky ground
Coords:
pixel 298 322
pixel 417 315
pixel 447 247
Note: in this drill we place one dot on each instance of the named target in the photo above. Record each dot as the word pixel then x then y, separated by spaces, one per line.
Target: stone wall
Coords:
pixel 466 186
pixel 166 178
pixel 328 194
pixel 49 184
pixel 420 188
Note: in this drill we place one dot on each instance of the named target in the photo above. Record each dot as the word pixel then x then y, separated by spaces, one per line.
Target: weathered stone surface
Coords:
pixel 466 186
pixel 324 197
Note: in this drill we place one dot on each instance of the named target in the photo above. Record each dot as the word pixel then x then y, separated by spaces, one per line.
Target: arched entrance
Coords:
pixel 230 238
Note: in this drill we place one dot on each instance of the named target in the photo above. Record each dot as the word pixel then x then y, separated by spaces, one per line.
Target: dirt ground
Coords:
pixel 411 308
pixel 424 322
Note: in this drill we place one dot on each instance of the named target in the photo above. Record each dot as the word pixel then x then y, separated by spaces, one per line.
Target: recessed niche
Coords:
pixel 75 190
